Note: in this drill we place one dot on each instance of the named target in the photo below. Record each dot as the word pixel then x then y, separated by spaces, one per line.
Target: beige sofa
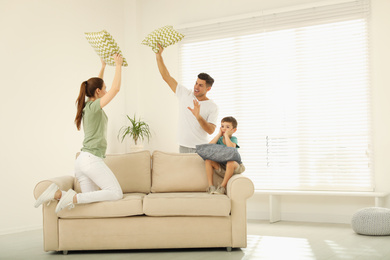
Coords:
pixel 164 206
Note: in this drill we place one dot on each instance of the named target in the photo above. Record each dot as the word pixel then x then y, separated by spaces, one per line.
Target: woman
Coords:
pixel 90 169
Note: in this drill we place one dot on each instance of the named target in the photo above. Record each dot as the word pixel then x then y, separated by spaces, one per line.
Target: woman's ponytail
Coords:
pixel 80 103
pixel 87 89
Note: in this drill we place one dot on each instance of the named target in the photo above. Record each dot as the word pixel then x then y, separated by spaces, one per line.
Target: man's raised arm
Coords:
pixel 164 71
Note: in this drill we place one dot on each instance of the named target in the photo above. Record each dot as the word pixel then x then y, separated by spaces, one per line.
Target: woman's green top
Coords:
pixel 95 129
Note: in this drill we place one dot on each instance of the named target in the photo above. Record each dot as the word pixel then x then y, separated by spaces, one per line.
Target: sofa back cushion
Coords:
pixel 132 170
pixel 177 172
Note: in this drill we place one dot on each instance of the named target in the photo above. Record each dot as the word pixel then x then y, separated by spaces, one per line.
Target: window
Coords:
pixel 298 84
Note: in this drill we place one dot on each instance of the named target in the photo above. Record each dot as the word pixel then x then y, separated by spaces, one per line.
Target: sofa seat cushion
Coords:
pixel 186 204
pixel 130 205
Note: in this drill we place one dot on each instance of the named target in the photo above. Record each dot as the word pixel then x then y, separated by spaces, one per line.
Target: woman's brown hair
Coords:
pixel 87 89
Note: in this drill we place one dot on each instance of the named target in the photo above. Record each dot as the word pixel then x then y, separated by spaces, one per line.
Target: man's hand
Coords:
pixel 208 127
pixel 160 49
pixel 196 110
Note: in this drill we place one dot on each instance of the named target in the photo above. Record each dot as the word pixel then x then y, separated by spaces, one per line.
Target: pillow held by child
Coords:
pixel 165 36
pixel 105 46
pixel 218 153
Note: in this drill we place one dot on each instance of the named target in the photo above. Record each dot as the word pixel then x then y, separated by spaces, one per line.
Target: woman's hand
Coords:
pixel 101 72
pixel 118 59
pixel 116 83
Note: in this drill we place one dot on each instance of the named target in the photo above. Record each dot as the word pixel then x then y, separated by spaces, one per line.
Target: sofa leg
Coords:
pixel 229 249
pixel 65 252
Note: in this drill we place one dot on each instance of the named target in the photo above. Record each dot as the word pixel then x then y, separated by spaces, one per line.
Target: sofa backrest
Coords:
pixel 132 170
pixel 177 172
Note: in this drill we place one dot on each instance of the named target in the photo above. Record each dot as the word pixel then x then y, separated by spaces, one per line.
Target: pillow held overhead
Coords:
pixel 218 153
pixel 165 36
pixel 105 46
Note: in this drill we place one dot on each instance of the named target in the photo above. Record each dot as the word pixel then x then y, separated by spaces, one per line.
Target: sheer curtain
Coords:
pixel 298 84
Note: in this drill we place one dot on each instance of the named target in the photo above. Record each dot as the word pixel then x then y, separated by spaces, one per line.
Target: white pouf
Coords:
pixel 372 221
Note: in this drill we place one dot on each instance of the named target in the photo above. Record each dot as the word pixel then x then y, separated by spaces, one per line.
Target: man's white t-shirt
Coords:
pixel 189 130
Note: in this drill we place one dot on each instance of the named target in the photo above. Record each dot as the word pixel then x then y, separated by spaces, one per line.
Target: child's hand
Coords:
pixel 220 132
pixel 228 132
pixel 103 62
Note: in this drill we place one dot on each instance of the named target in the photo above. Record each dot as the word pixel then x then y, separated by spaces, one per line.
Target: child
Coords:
pixel 224 137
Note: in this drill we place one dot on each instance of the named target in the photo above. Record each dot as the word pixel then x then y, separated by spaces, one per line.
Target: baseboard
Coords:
pixel 317 218
pixel 296 217
pixel 19 229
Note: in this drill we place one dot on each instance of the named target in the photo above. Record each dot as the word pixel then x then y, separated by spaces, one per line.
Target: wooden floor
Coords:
pixel 281 240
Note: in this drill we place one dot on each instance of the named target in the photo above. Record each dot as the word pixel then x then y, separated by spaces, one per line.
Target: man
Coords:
pixel 194 123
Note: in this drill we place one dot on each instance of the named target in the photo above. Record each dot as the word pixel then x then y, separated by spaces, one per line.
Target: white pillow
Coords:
pixel 105 46
pixel 165 36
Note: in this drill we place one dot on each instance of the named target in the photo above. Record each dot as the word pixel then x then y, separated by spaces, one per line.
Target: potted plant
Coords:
pixel 136 130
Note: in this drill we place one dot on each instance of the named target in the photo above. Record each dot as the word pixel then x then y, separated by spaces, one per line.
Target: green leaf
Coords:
pixel 137 129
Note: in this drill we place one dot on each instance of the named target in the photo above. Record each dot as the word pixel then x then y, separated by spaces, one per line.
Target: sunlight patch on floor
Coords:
pixel 348 252
pixel 269 247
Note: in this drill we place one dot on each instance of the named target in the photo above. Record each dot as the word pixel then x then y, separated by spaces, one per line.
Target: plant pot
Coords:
pixel 136 148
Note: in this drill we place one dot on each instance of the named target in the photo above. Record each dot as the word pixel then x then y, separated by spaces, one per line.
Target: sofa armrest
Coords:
pixel 239 187
pixel 64 183
pixel 50 218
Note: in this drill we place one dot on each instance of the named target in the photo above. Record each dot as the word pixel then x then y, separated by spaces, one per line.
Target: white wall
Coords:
pixel 380 62
pixel 45 57
pixel 159 104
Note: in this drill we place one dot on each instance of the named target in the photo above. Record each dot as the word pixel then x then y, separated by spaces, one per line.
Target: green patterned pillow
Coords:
pixel 165 36
pixel 105 46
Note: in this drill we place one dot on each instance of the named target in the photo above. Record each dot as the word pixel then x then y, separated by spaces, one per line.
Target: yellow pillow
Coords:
pixel 165 36
pixel 105 46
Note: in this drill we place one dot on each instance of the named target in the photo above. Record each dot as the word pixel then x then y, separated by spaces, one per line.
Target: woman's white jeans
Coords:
pixel 92 174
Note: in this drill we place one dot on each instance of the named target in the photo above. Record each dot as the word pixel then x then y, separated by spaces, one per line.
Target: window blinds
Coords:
pixel 298 84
